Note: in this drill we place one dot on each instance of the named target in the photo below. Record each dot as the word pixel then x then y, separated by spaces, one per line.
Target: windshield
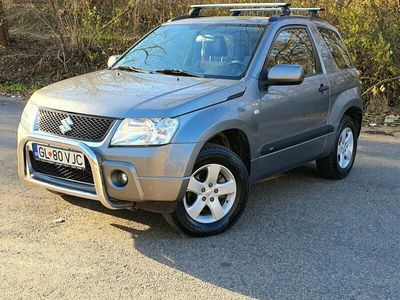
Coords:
pixel 204 50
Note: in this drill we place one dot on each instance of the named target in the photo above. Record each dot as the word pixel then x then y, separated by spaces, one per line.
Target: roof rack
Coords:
pixel 312 11
pixel 195 9
pixel 238 11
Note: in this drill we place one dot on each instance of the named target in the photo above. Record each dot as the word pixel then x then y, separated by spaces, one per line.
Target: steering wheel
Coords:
pixel 235 62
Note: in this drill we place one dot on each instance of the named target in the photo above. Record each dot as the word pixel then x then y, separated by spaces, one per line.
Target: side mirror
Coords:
pixel 112 60
pixel 285 75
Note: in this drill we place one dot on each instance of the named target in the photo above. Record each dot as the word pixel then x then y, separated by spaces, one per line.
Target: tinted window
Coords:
pixel 336 47
pixel 203 49
pixel 293 46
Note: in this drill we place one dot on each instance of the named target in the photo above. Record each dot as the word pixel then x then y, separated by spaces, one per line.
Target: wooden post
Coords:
pixel 4 37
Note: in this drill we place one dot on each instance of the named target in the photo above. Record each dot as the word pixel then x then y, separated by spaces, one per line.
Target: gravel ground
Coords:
pixel 300 237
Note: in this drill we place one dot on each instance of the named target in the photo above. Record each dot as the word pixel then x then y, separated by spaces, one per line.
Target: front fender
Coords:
pixel 200 126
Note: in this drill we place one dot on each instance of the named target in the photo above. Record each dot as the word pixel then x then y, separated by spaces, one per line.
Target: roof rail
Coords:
pixel 312 11
pixel 195 9
pixel 238 11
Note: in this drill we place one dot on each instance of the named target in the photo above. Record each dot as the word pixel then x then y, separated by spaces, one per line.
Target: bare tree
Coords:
pixel 3 26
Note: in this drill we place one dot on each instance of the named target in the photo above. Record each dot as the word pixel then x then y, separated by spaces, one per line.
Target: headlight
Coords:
pixel 28 118
pixel 145 132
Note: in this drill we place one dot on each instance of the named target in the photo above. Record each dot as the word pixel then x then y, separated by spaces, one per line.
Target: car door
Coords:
pixel 293 115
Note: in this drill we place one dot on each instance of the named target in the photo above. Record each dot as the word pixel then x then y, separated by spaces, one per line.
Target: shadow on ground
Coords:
pixel 300 235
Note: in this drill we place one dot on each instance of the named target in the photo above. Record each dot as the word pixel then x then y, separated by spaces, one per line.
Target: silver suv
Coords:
pixel 196 111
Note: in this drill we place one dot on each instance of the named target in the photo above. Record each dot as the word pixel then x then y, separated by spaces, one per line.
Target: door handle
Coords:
pixel 323 88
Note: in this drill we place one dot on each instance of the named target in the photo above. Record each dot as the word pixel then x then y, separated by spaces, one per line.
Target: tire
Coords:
pixel 331 166
pixel 232 179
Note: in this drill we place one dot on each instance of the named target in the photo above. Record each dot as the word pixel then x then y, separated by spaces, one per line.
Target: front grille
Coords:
pixel 63 172
pixel 85 128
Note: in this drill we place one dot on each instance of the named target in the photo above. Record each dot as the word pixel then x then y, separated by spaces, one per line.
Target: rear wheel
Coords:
pixel 341 159
pixel 216 195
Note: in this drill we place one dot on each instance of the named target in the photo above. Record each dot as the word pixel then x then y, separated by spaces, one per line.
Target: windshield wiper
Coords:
pixel 178 72
pixel 130 68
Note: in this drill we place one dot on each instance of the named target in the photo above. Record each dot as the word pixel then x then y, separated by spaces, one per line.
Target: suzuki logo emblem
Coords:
pixel 66 125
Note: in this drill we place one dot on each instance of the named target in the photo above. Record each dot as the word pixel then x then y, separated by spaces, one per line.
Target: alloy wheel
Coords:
pixel 210 194
pixel 345 148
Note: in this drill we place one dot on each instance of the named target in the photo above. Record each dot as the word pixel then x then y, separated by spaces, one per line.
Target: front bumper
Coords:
pixel 163 186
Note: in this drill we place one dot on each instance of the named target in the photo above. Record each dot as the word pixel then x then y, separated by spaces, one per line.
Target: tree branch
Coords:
pixel 379 83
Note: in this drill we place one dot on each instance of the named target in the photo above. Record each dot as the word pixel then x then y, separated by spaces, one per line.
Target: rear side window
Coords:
pixel 336 47
pixel 293 46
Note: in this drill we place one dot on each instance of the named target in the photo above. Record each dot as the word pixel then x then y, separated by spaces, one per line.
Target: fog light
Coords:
pixel 119 178
pixel 122 178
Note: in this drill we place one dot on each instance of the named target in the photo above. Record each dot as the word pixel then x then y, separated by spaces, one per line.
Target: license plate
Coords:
pixel 59 156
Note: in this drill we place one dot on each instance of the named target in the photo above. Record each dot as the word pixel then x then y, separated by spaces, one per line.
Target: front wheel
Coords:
pixel 341 159
pixel 216 195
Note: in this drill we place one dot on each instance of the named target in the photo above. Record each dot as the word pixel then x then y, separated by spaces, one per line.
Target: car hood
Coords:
pixel 122 94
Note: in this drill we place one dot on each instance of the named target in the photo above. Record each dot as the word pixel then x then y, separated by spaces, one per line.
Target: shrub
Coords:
pixel 84 33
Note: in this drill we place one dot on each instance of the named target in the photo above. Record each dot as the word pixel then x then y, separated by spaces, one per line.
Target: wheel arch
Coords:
pixel 343 106
pixel 235 138
pixel 356 114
